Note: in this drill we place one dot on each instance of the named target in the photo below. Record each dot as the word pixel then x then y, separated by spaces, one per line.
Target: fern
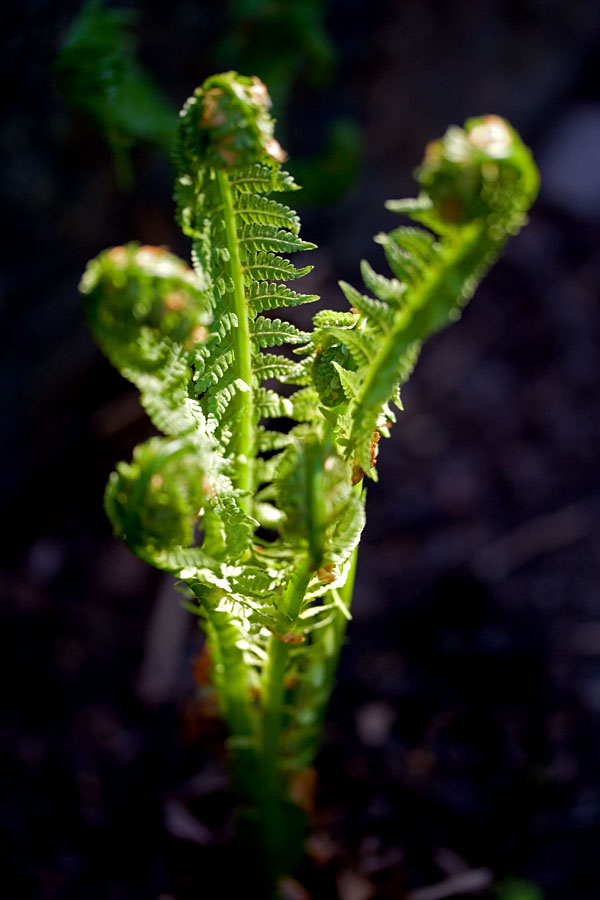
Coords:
pixel 476 186
pixel 261 521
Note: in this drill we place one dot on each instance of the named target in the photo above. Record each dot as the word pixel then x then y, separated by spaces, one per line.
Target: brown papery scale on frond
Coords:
pixel 357 472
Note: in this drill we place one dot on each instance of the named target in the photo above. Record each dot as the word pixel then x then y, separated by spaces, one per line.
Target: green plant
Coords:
pixel 254 497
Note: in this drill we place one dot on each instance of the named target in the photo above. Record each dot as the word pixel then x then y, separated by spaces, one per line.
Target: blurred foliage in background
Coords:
pixel 516 889
pixel 280 42
pixel 285 43
pixel 98 73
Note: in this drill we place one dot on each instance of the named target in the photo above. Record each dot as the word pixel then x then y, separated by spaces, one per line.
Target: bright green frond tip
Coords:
pixel 481 171
pixel 254 496
pixel 226 124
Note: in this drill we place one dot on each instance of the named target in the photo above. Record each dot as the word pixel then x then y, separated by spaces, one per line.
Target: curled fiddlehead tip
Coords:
pixel 136 296
pixel 226 123
pixel 479 170
pixel 155 501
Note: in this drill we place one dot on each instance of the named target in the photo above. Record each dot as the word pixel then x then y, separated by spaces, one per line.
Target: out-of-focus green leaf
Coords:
pixel 278 41
pixel 517 889
pixel 330 174
pixel 99 75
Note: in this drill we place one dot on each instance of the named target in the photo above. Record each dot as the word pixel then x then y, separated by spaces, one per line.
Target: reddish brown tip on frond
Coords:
pixel 290 637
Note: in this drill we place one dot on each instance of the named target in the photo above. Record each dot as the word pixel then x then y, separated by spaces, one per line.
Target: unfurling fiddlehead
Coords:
pixel 476 187
pixel 262 523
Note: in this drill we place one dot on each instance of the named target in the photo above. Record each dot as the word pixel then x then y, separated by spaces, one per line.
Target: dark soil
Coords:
pixel 463 738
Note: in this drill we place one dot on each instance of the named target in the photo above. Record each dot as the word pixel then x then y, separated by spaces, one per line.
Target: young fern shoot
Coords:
pixel 280 509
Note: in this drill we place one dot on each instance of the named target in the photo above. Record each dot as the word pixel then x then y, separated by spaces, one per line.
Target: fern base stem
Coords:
pixel 273 692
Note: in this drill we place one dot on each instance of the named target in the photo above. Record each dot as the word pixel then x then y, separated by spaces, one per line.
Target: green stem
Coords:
pixel 230 677
pixel 273 693
pixel 242 356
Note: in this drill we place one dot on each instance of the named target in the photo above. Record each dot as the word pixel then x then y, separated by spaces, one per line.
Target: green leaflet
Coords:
pixel 264 211
pixel 253 496
pixel 263 295
pixel 274 332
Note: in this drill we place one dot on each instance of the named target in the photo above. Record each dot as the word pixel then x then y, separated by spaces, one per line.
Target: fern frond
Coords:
pixel 149 313
pixel 476 186
pixel 215 370
pixel 304 404
pixel 238 528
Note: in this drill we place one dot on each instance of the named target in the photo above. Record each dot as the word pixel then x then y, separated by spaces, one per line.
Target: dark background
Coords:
pixel 464 734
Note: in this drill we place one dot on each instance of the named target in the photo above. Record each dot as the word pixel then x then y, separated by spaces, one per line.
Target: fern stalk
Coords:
pixel 280 511
pixel 275 668
pixel 242 359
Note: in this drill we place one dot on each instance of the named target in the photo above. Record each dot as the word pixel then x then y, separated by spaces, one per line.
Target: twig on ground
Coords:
pixel 471 882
